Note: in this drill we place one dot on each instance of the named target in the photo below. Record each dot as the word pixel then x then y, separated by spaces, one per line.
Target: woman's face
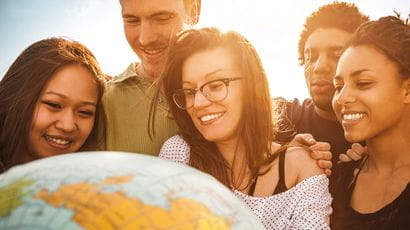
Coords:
pixel 218 120
pixel 64 113
pixel 370 98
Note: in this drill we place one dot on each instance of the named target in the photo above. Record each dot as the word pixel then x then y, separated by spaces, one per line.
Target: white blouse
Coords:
pixel 307 205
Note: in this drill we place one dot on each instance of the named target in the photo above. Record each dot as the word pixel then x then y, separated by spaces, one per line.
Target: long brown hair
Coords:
pixel 23 82
pixel 256 128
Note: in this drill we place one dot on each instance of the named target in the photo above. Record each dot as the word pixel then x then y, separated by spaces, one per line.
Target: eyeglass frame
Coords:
pixel 225 81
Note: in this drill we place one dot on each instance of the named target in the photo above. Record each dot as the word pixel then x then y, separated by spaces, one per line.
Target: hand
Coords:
pixel 320 151
pixel 355 153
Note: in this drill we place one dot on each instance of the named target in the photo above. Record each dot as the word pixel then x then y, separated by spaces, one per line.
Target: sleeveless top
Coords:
pixel 281 186
pixel 395 215
pixel 307 205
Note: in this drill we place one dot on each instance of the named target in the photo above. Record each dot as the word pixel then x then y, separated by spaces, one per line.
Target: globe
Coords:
pixel 113 190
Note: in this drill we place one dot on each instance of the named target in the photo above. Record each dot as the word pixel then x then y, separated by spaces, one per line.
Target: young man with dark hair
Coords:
pixel 326 32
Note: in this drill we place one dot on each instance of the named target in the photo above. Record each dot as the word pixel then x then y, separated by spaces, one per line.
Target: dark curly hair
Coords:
pixel 339 15
pixel 391 35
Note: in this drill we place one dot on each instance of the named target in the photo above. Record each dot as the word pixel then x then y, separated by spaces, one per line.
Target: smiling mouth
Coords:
pixel 210 117
pixel 57 141
pixel 153 51
pixel 349 117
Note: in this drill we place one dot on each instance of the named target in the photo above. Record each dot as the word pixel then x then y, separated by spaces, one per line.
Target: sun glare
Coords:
pixel 273 27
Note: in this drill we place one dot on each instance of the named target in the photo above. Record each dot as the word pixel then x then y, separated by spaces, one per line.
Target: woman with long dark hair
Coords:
pixel 49 101
pixel 218 94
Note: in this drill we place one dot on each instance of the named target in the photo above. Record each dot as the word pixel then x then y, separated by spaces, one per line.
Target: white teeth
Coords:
pixel 353 116
pixel 210 117
pixel 152 51
pixel 57 140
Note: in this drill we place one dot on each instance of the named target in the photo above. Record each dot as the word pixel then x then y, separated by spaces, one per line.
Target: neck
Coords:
pixel 234 153
pixel 328 115
pixel 230 150
pixel 139 69
pixel 390 150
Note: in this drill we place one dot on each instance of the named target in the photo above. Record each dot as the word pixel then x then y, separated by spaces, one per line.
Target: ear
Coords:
pixel 194 11
pixel 406 85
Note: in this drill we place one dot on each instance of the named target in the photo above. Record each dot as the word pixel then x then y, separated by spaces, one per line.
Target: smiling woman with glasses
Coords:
pixel 218 94
pixel 215 90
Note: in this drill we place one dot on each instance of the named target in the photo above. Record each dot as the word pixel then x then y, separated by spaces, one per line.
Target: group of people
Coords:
pixel 201 97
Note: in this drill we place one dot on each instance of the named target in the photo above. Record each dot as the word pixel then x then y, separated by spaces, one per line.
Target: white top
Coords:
pixel 307 205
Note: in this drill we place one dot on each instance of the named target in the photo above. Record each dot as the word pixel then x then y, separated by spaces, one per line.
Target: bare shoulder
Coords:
pixel 301 164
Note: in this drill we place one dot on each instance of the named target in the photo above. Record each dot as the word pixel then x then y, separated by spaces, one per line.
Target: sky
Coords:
pixel 273 27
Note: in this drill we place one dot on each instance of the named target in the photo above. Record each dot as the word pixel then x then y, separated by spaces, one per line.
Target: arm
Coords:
pixel 320 151
pixel 314 200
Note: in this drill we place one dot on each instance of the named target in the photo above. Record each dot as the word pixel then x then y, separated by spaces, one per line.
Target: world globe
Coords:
pixel 113 190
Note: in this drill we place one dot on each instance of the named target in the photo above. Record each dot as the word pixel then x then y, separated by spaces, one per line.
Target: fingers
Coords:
pixel 359 149
pixel 344 158
pixel 320 146
pixel 321 151
pixel 353 155
pixel 324 164
pixel 328 172
pixel 356 152
pixel 303 139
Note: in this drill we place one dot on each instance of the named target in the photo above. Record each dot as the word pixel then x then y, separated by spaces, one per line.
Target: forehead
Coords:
pixel 149 7
pixel 73 80
pixel 365 58
pixel 325 38
pixel 205 64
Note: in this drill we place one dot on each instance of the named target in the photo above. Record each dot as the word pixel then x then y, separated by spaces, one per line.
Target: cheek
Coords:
pixel 130 34
pixel 40 118
pixel 307 71
pixel 190 113
pixel 86 126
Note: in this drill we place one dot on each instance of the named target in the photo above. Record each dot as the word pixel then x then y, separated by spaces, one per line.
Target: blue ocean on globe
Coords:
pixel 115 190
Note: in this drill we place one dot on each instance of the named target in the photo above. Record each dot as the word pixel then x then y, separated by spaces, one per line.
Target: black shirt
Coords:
pixel 302 118
pixel 395 215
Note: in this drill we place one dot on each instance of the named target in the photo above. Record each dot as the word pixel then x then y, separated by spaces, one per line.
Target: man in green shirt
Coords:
pixel 149 27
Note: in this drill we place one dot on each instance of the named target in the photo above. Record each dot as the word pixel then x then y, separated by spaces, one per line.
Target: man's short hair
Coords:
pixel 338 15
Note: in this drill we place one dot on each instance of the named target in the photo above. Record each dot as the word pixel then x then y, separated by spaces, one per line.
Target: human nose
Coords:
pixel 66 122
pixel 322 65
pixel 147 34
pixel 200 100
pixel 344 96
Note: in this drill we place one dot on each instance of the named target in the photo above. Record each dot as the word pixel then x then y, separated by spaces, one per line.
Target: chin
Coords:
pixel 350 137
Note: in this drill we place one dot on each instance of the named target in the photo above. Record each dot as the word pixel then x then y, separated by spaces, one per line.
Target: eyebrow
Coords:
pixel 208 74
pixel 331 48
pixel 159 13
pixel 164 12
pixel 65 97
pixel 353 74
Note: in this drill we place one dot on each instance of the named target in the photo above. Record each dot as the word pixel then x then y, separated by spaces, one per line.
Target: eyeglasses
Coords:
pixel 214 91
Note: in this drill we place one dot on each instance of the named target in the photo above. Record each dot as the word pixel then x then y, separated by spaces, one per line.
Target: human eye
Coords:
pixel 215 85
pixel 310 55
pixel 336 54
pixel 338 85
pixel 188 92
pixel 163 18
pixel 51 104
pixel 86 113
pixel 364 84
pixel 132 21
